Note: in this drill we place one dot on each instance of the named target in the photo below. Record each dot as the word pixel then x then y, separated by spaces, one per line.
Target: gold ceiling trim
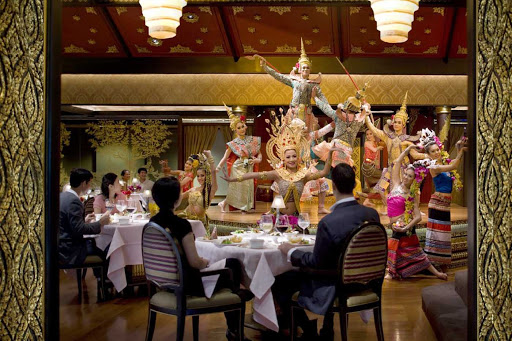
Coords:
pixel 254 89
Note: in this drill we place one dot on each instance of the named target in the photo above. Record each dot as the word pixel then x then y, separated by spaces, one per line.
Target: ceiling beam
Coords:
pixel 340 32
pixel 227 26
pixel 450 36
pixel 115 31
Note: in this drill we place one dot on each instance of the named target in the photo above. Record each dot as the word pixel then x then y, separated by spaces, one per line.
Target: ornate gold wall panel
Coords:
pixel 254 89
pixel 21 169
pixel 494 169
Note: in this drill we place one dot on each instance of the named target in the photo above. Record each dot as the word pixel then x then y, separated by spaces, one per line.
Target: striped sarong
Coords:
pixel 438 241
pixel 405 255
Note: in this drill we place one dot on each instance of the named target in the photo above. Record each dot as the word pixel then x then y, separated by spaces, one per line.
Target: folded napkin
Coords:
pixel 366 315
pixel 209 282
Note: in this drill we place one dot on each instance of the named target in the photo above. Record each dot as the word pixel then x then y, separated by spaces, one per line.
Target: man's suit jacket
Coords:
pixel 72 245
pixel 318 295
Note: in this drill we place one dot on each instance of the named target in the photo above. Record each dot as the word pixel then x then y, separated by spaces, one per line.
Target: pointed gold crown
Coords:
pixel 285 136
pixel 354 103
pixel 234 119
pixel 402 113
pixel 303 56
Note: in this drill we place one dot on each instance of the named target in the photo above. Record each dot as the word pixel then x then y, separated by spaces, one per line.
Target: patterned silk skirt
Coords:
pixel 241 194
pixel 405 255
pixel 438 245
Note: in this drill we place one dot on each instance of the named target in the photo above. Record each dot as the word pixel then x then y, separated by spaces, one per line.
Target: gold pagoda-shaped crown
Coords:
pixel 354 103
pixel 303 56
pixel 402 113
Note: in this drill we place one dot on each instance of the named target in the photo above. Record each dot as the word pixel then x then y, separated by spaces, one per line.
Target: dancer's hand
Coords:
pixel 412 146
pixel 462 144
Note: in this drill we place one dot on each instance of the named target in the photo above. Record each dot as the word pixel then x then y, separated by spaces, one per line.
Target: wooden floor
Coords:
pixel 458 213
pixel 126 318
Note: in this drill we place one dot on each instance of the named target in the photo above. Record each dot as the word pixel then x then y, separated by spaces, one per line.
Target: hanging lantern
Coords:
pixel 394 18
pixel 162 16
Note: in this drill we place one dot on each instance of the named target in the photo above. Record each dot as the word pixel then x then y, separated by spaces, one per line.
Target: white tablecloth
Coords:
pixel 260 268
pixel 125 247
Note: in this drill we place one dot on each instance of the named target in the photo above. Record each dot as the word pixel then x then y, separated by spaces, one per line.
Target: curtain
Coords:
pixel 198 138
pixel 454 135
pixel 226 133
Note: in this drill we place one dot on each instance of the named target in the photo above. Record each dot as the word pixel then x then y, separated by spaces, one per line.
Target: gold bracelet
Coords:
pixel 263 176
pixel 210 159
pixel 239 178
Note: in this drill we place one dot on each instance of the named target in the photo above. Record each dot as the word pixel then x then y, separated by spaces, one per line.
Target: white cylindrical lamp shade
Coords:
pixel 278 202
pixel 394 18
pixel 162 16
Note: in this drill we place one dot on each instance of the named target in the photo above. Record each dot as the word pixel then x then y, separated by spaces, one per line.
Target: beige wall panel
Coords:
pixel 254 89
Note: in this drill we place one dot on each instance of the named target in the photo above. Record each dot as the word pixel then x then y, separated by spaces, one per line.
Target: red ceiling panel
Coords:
pixel 86 33
pixel 200 33
pixel 427 39
pixel 459 46
pixel 276 30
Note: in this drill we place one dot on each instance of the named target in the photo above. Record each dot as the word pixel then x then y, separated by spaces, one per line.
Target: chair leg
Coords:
pixel 79 283
pixel 151 325
pixel 293 328
pixel 242 323
pixel 84 273
pixel 180 330
pixel 343 325
pixel 101 287
pixel 377 316
pixel 195 327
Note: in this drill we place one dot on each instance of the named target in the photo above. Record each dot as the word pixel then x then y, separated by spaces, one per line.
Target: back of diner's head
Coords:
pixel 166 192
pixel 343 178
pixel 79 175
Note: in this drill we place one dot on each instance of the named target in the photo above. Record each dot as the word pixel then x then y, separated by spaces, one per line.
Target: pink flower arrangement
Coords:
pixel 134 188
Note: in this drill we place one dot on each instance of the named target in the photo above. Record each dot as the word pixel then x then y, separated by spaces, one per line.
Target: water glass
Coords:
pixel 303 222
pixel 266 223
pixel 121 205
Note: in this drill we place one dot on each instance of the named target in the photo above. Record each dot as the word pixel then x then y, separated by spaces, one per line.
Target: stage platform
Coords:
pixel 459 215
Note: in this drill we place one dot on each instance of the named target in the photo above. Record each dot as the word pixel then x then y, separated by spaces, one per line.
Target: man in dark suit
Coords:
pixel 73 248
pixel 346 215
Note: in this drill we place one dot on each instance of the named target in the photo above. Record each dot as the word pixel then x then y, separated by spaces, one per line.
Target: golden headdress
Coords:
pixel 354 103
pixel 402 113
pixel 233 118
pixel 303 56
pixel 285 136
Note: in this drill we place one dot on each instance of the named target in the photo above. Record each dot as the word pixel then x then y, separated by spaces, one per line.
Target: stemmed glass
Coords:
pixel 266 223
pixel 282 223
pixel 121 205
pixel 131 207
pixel 303 222
pixel 109 206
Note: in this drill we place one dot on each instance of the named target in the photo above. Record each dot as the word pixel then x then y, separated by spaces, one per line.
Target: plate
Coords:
pixel 232 244
pixel 311 243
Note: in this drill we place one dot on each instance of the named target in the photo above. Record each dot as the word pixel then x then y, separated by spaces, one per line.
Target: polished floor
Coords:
pixel 125 318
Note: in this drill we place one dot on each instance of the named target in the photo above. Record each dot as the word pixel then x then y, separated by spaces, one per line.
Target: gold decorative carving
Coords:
pixel 237 9
pixel 204 29
pixel 257 17
pixel 420 19
pixel 231 88
pixel 91 10
pixel 263 41
pixel 280 9
pixel 427 31
pixel 112 49
pixel 286 49
pixel 218 49
pixel 308 42
pixel 322 10
pixel 91 42
pixel 206 9
pixel 356 50
pixel 393 50
pixel 363 30
pixel 372 42
pixel 439 10
pixel 305 17
pixel 316 30
pixel 493 177
pixel 432 50
pixel 190 17
pixel 249 49
pixel 462 50
pixel 76 18
pixel 93 30
pixel 180 49
pixel 143 139
pixel 22 169
pixel 141 30
pixel 325 49
pixel 199 41
pixel 74 49
pixel 354 10
pixel 121 10
pixel 141 17
pixel 64 142
pixel 417 42
pixel 251 29
pixel 142 49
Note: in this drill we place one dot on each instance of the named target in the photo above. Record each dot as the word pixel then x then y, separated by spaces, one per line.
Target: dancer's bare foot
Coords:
pixel 323 210
pixel 221 205
pixel 442 275
pixel 388 276
pixel 368 203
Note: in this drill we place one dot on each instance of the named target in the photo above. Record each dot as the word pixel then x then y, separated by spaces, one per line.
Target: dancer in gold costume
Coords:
pixel 242 156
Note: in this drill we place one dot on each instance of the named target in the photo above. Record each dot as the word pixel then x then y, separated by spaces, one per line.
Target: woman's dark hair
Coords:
pixel 166 191
pixel 107 180
pixel 344 178
pixel 79 175
pixel 142 169
pixel 123 172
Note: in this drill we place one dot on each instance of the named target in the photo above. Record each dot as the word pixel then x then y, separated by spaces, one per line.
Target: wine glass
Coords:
pixel 266 223
pixel 282 223
pixel 121 205
pixel 303 222
pixel 109 206
pixel 131 206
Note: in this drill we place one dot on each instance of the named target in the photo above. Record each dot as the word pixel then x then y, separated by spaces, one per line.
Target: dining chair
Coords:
pixel 90 262
pixel 165 273
pixel 359 279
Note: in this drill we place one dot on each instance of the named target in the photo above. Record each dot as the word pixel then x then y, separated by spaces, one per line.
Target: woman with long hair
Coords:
pixel 111 191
